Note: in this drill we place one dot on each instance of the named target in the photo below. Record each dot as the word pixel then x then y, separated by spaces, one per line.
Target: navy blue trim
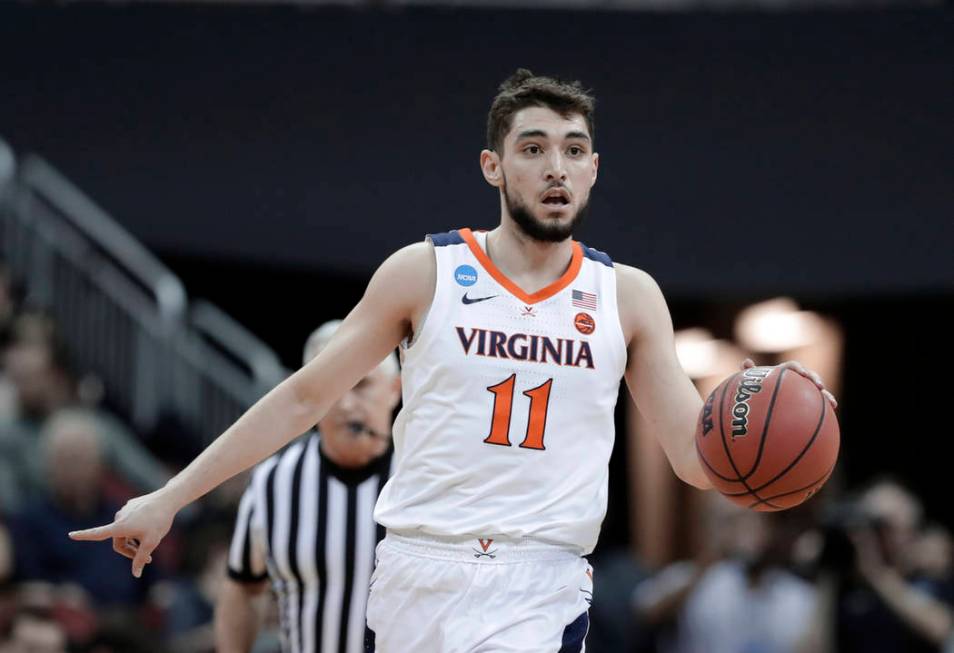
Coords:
pixel 446 238
pixel 597 255
pixel 368 639
pixel 574 634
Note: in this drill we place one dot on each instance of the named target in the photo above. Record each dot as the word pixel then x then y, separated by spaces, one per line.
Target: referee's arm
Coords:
pixel 238 615
pixel 240 604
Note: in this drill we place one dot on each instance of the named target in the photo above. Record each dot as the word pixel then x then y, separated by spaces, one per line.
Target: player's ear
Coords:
pixel 490 166
pixel 596 165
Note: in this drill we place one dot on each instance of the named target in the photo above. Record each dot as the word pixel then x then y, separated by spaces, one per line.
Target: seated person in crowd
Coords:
pixel 42 385
pixel 736 597
pixel 71 445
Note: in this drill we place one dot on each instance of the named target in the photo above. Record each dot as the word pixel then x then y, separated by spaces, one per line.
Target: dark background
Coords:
pixel 740 152
pixel 272 156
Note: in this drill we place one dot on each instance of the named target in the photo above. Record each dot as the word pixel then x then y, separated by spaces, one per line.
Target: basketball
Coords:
pixel 767 438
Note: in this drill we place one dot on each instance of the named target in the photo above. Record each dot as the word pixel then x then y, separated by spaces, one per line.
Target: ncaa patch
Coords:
pixel 465 275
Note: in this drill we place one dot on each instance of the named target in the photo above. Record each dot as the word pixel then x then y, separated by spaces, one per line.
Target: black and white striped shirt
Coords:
pixel 306 524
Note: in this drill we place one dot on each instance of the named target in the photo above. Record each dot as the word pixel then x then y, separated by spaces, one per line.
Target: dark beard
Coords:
pixel 544 232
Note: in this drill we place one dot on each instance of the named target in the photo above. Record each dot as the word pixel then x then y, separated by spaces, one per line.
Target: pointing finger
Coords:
pixel 97 534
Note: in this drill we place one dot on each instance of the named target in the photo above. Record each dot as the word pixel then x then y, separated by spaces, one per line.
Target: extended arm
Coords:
pixel 398 291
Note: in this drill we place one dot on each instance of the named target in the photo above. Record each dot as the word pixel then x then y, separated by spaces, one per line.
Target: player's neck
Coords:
pixel 530 263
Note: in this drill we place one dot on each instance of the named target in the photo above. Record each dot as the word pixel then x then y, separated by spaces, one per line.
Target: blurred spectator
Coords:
pixel 870 596
pixel 8 304
pixel 72 453
pixel 47 618
pixel 737 597
pixel 932 564
pixel 118 634
pixel 8 310
pixel 6 555
pixel 43 384
pixel 35 634
pixel 188 602
pixel 612 627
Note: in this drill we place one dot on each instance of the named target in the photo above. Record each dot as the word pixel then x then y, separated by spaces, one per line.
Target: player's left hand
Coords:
pixel 797 367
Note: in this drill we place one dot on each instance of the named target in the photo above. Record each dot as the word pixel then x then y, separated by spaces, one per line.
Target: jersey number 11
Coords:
pixel 503 407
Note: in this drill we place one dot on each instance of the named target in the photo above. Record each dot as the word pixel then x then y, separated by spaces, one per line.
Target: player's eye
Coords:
pixel 532 149
pixel 575 150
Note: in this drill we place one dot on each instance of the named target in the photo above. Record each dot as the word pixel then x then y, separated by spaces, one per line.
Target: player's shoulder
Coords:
pixel 634 280
pixel 402 286
pixel 403 271
pixel 410 260
pixel 640 301
pixel 419 256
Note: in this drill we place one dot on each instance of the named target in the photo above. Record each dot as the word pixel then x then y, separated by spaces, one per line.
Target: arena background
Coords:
pixel 272 155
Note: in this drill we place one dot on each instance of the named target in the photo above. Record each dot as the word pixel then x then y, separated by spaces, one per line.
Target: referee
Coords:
pixel 305 524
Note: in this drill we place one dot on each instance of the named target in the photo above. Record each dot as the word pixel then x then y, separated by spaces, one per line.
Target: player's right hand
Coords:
pixel 137 528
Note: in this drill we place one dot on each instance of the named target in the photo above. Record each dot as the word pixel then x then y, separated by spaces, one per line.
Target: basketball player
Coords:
pixel 514 343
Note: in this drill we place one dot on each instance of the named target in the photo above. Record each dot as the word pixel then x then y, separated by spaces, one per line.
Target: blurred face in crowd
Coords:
pixel 33 635
pixel 734 532
pixel 28 365
pixel 545 172
pixel 40 385
pixel 73 461
pixel 934 551
pixel 749 535
pixel 899 514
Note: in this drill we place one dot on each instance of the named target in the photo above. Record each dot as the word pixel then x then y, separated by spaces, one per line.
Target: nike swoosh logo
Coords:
pixel 468 300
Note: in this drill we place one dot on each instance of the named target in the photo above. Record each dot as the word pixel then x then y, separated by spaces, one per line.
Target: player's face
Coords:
pixel 547 168
pixel 357 428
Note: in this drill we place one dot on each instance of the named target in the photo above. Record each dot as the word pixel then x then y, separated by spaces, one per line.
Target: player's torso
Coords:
pixel 507 424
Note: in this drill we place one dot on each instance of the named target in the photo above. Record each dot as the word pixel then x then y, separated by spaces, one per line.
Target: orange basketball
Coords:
pixel 767 438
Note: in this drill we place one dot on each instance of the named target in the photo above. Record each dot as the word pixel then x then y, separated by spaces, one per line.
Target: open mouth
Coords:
pixel 556 198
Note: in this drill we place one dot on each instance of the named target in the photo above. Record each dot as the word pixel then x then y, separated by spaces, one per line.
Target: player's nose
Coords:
pixel 556 168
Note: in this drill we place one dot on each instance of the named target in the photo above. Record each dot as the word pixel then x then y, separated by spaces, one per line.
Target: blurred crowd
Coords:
pixel 68 462
pixel 864 572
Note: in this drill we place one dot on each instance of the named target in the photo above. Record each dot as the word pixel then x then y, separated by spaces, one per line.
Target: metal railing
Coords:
pixel 122 314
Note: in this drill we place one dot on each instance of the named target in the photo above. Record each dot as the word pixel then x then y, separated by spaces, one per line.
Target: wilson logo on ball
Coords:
pixel 750 384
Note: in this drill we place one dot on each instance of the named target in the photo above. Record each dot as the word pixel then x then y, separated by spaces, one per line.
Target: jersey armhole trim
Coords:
pixel 422 332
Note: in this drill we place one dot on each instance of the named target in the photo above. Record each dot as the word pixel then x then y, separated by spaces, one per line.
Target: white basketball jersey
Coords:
pixel 507 424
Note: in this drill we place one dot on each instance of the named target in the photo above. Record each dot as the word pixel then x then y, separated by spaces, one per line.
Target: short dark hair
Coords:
pixel 524 89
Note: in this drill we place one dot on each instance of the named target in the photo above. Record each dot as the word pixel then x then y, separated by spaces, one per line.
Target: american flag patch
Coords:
pixel 584 299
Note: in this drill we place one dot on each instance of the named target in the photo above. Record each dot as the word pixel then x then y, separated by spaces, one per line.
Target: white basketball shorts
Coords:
pixel 431 595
